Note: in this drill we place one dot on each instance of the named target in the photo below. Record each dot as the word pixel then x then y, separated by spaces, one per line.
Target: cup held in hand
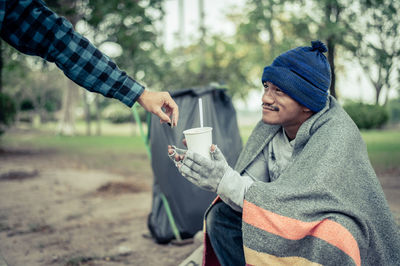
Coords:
pixel 199 140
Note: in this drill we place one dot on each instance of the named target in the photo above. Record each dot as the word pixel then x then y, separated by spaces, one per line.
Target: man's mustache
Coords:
pixel 275 108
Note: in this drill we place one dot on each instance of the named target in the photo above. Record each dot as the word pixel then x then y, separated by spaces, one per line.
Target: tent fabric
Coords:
pixel 186 201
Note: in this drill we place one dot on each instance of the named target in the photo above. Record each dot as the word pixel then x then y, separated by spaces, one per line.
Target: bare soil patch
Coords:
pixel 18 175
pixel 56 210
pixel 117 188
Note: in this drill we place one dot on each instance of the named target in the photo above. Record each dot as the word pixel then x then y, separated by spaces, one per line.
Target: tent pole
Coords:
pixel 171 218
pixel 139 123
pixel 163 198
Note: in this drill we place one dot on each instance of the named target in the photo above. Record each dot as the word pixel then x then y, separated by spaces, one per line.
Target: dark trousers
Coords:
pixel 224 229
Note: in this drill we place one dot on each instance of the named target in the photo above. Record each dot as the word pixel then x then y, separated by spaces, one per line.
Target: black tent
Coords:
pixel 178 206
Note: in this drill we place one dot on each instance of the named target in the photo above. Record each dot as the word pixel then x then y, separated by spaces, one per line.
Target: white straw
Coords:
pixel 201 112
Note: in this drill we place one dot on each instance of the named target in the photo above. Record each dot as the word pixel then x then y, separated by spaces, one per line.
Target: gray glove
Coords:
pixel 214 175
pixel 202 171
pixel 176 152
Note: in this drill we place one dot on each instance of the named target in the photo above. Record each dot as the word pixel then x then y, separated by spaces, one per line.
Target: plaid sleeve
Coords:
pixel 2 11
pixel 32 28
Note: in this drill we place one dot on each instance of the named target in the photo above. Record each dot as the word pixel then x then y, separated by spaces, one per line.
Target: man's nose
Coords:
pixel 268 97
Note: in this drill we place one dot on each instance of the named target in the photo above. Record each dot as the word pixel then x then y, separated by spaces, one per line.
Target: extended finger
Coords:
pixel 180 151
pixel 199 159
pixel 189 174
pixel 172 155
pixel 213 147
pixel 173 110
pixel 168 111
pixel 163 116
pixel 191 164
pixel 217 154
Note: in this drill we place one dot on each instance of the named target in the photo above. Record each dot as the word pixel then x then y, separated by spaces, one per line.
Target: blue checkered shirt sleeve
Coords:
pixel 32 28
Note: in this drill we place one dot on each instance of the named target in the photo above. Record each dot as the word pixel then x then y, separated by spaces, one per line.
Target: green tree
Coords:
pixel 7 111
pixel 128 25
pixel 394 110
pixel 264 30
pixel 13 73
pixel 281 25
pixel 218 61
pixel 378 44
pixel 367 116
pixel 330 21
pixel 131 25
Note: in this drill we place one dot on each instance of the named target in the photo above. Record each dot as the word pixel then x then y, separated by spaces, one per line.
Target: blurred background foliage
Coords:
pixel 367 116
pixel 362 32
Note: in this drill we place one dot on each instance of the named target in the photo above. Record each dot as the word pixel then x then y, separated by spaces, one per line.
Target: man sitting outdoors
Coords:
pixel 303 190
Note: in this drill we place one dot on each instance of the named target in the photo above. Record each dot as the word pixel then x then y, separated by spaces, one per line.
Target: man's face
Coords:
pixel 280 109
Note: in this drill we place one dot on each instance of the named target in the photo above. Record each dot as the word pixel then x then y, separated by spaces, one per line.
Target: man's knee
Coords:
pixel 212 218
pixel 224 229
pixel 219 215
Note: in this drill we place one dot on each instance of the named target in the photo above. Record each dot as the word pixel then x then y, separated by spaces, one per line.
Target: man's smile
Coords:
pixel 269 107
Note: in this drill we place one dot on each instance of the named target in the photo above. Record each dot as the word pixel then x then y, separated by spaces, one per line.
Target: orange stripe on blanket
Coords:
pixel 293 229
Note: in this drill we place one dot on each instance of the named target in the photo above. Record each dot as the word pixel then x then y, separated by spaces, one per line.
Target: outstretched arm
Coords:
pixel 32 28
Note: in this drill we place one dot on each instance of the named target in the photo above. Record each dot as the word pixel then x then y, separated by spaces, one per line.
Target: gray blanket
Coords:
pixel 327 207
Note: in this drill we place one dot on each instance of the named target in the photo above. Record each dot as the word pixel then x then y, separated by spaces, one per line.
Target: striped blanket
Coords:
pixel 326 208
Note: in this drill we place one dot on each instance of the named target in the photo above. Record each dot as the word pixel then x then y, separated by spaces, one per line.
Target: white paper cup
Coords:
pixel 199 140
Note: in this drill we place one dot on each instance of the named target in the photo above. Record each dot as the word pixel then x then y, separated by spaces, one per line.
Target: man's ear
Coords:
pixel 306 110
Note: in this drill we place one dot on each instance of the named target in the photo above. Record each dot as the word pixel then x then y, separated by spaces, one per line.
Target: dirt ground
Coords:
pixel 54 213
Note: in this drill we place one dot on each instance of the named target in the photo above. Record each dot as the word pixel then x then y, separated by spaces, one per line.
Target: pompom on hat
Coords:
pixel 302 73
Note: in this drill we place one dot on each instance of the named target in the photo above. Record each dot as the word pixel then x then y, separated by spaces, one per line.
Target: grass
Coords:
pixel 123 154
pixel 383 149
pixel 127 151
pixel 121 138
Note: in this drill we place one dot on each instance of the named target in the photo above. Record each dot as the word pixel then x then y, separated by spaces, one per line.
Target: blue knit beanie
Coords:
pixel 302 73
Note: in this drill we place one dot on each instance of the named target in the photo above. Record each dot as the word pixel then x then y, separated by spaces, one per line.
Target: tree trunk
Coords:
pixel 332 16
pixel 1 66
pixel 202 30
pixel 98 115
pixel 378 89
pixel 87 113
pixel 331 60
pixel 67 122
pixel 201 21
pixel 387 97
pixel 181 12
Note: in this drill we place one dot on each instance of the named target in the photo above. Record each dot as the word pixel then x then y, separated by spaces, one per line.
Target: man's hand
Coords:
pixel 155 101
pixel 177 155
pixel 214 175
pixel 202 171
